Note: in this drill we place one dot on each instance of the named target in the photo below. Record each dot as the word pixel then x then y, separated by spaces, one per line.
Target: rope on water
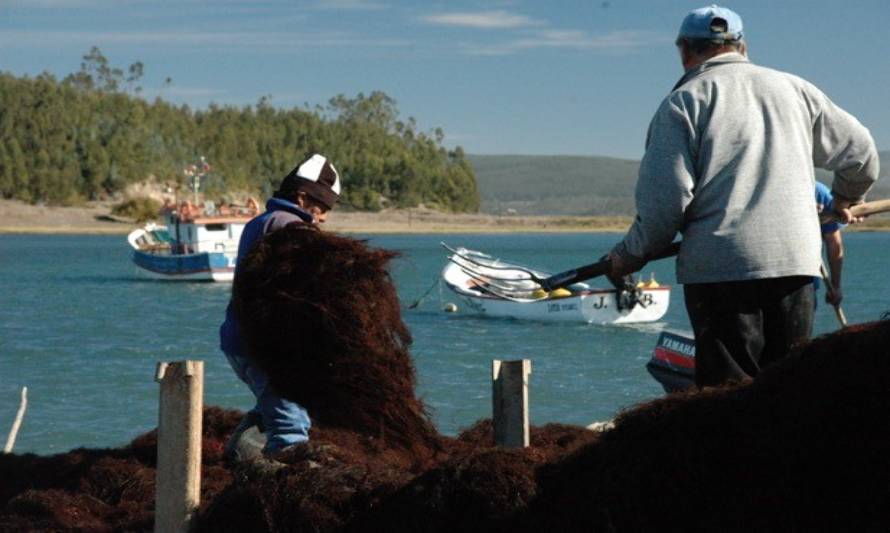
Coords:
pixel 425 294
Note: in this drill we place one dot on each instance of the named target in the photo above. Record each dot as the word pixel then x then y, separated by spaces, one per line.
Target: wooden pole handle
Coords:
pixel 861 210
pixel 829 288
pixel 600 268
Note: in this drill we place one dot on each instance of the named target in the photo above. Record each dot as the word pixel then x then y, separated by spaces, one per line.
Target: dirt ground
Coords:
pixel 96 218
pixel 20 217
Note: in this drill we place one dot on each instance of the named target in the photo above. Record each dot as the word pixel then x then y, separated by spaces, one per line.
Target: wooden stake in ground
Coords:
pixel 13 433
pixel 510 402
pixel 178 485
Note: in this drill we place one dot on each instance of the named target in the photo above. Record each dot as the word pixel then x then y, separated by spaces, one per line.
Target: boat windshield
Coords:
pixel 162 235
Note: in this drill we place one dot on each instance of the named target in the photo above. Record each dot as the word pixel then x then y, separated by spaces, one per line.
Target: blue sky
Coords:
pixel 500 77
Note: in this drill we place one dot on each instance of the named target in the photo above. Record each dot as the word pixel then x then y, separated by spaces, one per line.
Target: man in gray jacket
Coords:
pixel 729 164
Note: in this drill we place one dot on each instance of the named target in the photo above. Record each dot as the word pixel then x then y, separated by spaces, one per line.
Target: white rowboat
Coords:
pixel 465 277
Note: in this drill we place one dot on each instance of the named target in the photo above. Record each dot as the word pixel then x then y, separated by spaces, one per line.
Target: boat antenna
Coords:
pixel 196 173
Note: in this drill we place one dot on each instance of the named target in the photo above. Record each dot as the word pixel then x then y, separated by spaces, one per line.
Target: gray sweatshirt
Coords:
pixel 729 164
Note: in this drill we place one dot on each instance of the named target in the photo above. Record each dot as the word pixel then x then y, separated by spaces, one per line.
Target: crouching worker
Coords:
pixel 306 195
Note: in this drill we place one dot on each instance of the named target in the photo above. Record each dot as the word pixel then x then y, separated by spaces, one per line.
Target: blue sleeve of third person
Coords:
pixel 825 203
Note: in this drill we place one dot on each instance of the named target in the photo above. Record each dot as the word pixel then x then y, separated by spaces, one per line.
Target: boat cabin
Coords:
pixel 198 229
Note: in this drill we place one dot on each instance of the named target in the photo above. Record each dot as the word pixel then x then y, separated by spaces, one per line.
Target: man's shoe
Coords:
pixel 247 441
pixel 244 450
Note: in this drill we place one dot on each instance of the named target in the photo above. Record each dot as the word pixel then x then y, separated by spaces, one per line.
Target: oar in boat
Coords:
pixel 490 272
pixel 511 289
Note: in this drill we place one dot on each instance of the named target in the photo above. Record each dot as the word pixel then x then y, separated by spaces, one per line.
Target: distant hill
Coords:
pixel 578 185
pixel 555 185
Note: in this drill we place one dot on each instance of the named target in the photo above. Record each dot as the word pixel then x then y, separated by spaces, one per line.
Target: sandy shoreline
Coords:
pixel 95 219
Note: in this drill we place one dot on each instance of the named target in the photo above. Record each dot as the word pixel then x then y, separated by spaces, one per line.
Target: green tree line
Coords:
pixel 89 135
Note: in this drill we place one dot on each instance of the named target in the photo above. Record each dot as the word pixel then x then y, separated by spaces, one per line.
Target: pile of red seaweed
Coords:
pixel 102 489
pixel 803 446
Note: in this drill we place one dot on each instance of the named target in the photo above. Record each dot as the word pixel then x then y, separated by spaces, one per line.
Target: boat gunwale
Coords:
pixel 577 295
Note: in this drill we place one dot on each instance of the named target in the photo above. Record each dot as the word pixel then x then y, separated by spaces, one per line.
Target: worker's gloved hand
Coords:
pixel 627 295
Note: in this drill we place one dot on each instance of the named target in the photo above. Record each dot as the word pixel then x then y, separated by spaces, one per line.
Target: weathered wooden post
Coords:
pixel 178 484
pixel 510 402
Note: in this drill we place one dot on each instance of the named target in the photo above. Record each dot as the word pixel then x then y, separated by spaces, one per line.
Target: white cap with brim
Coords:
pixel 317 177
pixel 712 23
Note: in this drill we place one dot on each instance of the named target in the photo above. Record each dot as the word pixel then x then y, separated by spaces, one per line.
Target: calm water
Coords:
pixel 83 331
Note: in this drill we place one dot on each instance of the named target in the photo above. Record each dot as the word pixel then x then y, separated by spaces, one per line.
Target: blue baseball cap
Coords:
pixel 712 22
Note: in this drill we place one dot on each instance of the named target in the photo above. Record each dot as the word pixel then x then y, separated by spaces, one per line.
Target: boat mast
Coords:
pixel 174 216
pixel 196 173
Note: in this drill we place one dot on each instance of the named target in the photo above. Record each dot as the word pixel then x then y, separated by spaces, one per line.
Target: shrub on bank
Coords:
pixel 140 209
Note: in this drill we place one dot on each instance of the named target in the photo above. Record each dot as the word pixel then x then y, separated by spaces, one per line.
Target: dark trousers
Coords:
pixel 743 326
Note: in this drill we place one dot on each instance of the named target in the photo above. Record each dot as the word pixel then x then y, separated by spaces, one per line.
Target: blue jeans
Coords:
pixel 284 422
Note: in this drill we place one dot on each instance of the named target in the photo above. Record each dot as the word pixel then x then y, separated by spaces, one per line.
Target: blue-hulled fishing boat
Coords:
pixel 192 243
